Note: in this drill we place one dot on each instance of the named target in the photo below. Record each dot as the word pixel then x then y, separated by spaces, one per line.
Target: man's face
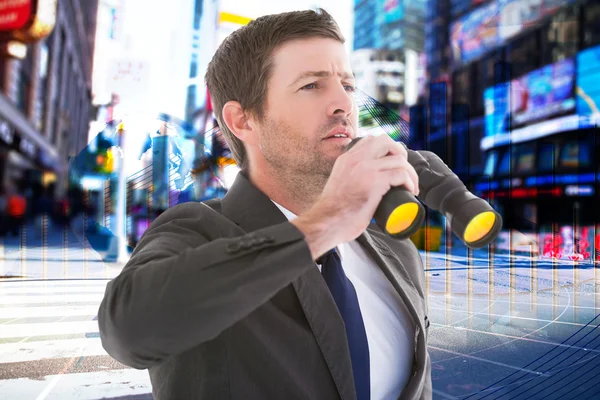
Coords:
pixel 310 98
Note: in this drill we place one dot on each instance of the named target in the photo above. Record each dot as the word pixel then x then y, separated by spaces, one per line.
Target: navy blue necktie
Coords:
pixel 345 297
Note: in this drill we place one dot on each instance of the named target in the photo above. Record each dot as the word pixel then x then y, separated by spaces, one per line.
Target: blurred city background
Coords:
pixel 105 122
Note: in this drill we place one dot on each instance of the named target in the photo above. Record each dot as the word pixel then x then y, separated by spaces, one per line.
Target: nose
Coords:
pixel 341 102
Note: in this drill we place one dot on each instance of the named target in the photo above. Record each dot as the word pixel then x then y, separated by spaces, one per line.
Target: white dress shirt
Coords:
pixel 390 330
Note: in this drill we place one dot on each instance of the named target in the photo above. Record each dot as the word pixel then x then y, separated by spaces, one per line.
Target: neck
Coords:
pixel 296 192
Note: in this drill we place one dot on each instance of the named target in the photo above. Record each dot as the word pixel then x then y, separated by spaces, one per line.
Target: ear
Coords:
pixel 239 122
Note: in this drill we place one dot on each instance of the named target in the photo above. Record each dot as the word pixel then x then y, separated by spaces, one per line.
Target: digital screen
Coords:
pixel 504 166
pixel 525 160
pixel 548 156
pixel 460 6
pixel 392 10
pixel 549 7
pixel 496 109
pixel 490 163
pixel 575 154
pixel 517 15
pixel 543 93
pixel 475 33
pixel 142 225
pixel 491 25
pixel 588 81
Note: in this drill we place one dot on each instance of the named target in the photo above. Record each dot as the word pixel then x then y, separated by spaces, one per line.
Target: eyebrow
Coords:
pixel 321 74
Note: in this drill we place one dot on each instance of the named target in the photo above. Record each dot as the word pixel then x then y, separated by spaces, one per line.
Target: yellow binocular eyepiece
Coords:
pixel 479 227
pixel 399 213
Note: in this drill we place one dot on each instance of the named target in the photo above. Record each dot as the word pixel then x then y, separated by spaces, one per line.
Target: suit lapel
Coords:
pixel 251 209
pixel 330 333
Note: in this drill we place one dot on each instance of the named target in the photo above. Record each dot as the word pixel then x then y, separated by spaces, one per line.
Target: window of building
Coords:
pixel 524 158
pixel 60 76
pixel 591 27
pixel 459 138
pixel 198 8
pixel 505 161
pixel 66 100
pixel 524 54
pixel 25 80
pixel 490 163
pixel 438 109
pixel 575 154
pixel 484 78
pixel 3 70
pixel 548 156
pixel 190 102
pixel 46 63
pixel 194 66
pixel 461 86
pixel 476 132
pixel 560 38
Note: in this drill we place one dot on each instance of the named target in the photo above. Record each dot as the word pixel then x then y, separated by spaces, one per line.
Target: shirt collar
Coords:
pixel 290 216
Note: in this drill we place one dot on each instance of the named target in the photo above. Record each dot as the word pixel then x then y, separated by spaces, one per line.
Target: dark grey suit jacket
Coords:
pixel 224 301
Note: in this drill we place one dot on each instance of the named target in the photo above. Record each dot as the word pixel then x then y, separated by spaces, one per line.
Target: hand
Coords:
pixel 358 181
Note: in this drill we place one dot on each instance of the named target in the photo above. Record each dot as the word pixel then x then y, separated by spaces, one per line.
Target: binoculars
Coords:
pixel 400 214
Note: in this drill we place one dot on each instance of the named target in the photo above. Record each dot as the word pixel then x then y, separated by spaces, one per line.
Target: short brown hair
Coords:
pixel 242 65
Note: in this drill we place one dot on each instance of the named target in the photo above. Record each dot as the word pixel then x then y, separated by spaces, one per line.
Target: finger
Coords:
pixel 399 178
pixel 358 143
pixel 398 163
pixel 390 162
pixel 414 177
pixel 395 148
pixel 374 147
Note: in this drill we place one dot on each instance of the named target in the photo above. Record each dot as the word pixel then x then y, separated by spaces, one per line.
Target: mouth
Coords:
pixel 339 133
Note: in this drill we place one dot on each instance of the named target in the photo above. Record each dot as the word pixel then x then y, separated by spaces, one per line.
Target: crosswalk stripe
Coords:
pixel 51 289
pixel 35 284
pixel 52 299
pixel 31 351
pixel 46 329
pixel 50 311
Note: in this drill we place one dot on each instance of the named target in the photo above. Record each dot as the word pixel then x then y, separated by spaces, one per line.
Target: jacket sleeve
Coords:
pixel 183 287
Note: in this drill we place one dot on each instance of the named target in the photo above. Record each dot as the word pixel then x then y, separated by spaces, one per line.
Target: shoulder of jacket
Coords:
pixel 188 210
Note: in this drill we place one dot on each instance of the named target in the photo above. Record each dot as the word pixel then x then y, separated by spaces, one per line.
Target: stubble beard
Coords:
pixel 297 165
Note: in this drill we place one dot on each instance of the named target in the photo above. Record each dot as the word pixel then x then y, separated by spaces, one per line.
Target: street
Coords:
pixel 524 329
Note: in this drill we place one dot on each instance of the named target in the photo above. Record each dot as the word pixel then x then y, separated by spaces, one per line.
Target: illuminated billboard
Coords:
pixel 588 81
pixel 541 94
pixel 517 15
pixel 475 33
pixel 15 14
pixel 496 109
pixel 491 25
pixel 392 10
pixel 460 6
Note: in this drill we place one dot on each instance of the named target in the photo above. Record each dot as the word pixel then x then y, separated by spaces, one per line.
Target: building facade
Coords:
pixel 388 41
pixel 45 100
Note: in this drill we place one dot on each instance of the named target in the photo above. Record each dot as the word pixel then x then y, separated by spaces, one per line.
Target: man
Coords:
pixel 243 298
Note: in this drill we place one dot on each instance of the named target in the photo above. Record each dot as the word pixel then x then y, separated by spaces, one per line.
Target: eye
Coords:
pixel 310 86
pixel 350 88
